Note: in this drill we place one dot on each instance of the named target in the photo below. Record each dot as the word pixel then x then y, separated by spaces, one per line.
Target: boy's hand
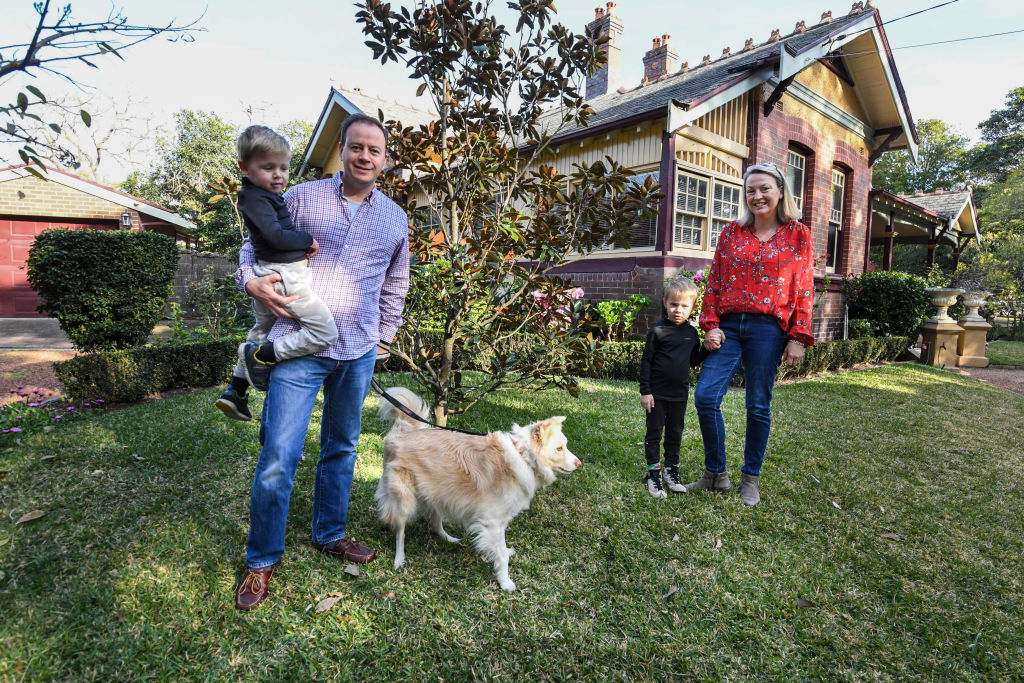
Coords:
pixel 262 289
pixel 313 248
pixel 647 402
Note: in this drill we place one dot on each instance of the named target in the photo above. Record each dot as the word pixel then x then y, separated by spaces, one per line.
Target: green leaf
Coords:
pixel 36 91
pixel 86 117
pixel 22 101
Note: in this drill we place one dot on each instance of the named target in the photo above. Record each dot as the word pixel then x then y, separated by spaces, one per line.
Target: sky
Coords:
pixel 258 61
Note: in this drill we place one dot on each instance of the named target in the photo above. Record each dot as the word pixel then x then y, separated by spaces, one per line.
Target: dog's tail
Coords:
pixel 410 400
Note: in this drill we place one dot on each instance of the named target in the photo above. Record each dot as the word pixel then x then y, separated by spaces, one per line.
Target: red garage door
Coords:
pixel 17 300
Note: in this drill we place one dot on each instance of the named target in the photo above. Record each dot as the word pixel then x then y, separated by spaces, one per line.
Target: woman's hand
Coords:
pixel 794 353
pixel 713 339
pixel 262 289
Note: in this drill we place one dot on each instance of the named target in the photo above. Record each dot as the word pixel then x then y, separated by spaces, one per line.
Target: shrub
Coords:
pixel 106 288
pixel 130 375
pixel 225 310
pixel 617 317
pixel 860 328
pixel 894 303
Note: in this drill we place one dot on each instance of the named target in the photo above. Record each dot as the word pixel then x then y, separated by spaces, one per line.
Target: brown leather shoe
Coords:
pixel 346 548
pixel 254 587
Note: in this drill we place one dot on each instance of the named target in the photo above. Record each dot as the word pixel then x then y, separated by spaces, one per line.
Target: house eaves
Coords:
pixel 102 192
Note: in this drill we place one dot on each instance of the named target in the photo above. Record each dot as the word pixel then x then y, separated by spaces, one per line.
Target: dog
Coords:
pixel 479 482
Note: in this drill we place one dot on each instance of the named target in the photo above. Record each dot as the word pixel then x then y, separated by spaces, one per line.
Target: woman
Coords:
pixel 757 310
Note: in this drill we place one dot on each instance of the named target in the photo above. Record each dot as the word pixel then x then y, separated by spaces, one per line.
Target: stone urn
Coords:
pixel 974 300
pixel 943 298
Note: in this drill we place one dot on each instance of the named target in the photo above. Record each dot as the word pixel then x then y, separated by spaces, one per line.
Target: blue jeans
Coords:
pixel 758 342
pixel 294 385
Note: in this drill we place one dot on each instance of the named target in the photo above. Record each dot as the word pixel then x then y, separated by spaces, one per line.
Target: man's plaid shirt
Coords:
pixel 361 270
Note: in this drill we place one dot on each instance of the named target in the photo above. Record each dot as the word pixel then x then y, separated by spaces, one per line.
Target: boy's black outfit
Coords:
pixel 273 236
pixel 671 350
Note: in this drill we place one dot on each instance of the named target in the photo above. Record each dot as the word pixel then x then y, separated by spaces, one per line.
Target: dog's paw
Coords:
pixel 507 585
pixel 399 562
pixel 511 551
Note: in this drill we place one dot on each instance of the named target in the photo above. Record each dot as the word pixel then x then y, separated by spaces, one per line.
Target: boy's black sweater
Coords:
pixel 273 236
pixel 671 350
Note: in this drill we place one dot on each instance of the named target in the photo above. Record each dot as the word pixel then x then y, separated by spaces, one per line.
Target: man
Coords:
pixel 361 272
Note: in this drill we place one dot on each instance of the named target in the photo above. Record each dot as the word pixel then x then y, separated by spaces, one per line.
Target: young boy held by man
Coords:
pixel 264 158
pixel 672 348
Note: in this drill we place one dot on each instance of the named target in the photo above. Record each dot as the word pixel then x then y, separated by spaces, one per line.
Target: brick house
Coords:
pixel 823 102
pixel 30 205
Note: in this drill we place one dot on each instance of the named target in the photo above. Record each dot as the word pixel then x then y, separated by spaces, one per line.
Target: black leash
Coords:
pixel 405 409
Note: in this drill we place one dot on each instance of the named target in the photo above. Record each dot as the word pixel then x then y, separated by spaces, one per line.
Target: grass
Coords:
pixel 1005 353
pixel 887 545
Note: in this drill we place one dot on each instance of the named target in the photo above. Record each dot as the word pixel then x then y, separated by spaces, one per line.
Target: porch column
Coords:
pixel 890 239
pixel 930 259
pixel 667 179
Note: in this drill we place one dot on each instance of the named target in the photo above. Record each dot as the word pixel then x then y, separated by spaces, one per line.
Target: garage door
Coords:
pixel 17 300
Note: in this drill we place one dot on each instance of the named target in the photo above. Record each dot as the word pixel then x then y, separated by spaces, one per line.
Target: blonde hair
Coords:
pixel 786 210
pixel 679 285
pixel 260 140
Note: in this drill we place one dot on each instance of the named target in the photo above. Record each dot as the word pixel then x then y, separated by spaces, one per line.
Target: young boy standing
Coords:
pixel 264 158
pixel 672 348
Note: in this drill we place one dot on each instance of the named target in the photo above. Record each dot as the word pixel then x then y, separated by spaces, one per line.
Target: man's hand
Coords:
pixel 794 353
pixel 313 248
pixel 262 289
pixel 647 402
pixel 713 339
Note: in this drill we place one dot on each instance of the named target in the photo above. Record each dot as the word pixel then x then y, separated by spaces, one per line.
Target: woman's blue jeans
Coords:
pixel 756 341
pixel 287 408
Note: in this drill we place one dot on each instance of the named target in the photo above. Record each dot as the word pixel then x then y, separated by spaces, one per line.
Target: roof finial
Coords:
pixel 726 51
pixel 776 36
pixel 684 68
pixel 749 45
pixel 857 7
pixel 801 26
pixel 826 17
pixel 706 60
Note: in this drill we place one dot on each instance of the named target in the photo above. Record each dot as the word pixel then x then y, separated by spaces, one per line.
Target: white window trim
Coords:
pixel 834 220
pixel 798 200
pixel 705 249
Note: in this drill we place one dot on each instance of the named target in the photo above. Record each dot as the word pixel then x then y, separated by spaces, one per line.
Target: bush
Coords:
pixel 131 375
pixel 106 288
pixel 860 328
pixel 894 303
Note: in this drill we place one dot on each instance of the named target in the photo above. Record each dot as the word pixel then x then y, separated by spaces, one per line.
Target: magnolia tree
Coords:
pixel 491 215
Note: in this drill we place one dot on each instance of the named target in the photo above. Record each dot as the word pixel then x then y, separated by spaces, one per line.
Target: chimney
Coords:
pixel 606 79
pixel 660 60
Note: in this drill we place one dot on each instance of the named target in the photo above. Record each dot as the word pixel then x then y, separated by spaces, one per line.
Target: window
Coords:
pixel 796 169
pixel 691 208
pixel 724 210
pixel 835 220
pixel 695 210
pixel 646 232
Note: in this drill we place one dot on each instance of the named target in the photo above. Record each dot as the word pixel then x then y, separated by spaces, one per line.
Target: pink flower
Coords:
pixel 70 408
pixel 86 405
pixel 33 405
pixel 15 429
pixel 56 418
pixel 19 417
pixel 576 293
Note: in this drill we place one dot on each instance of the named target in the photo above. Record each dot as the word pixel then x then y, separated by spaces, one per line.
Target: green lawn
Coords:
pixel 888 545
pixel 1005 353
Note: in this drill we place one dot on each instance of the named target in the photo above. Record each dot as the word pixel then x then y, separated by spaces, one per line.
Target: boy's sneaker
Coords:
pixel 652 480
pixel 256 371
pixel 671 478
pixel 234 406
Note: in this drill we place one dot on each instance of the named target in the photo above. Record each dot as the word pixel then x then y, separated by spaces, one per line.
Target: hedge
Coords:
pixel 623 358
pixel 107 289
pixel 133 374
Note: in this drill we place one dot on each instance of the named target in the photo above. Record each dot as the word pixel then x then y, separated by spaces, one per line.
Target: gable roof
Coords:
pixel 957 208
pixel 339 105
pixel 686 96
pixel 109 194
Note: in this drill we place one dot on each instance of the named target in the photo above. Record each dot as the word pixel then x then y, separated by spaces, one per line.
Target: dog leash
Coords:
pixel 405 409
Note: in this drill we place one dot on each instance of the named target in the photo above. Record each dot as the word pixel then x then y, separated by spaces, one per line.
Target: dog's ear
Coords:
pixel 558 419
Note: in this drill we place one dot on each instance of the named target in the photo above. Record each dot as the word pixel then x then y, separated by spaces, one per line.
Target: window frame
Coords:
pixel 799 190
pixel 712 220
pixel 835 218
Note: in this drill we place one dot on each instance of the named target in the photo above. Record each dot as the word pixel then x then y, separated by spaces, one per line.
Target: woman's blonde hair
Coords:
pixel 786 210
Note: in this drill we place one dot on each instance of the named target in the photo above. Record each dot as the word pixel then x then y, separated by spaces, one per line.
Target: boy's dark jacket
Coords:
pixel 671 350
pixel 274 238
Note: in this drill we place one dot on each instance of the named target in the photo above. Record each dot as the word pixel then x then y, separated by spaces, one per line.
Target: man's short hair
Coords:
pixel 260 140
pixel 361 118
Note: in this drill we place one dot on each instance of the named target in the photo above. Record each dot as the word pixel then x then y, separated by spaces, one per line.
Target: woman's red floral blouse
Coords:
pixel 774 278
